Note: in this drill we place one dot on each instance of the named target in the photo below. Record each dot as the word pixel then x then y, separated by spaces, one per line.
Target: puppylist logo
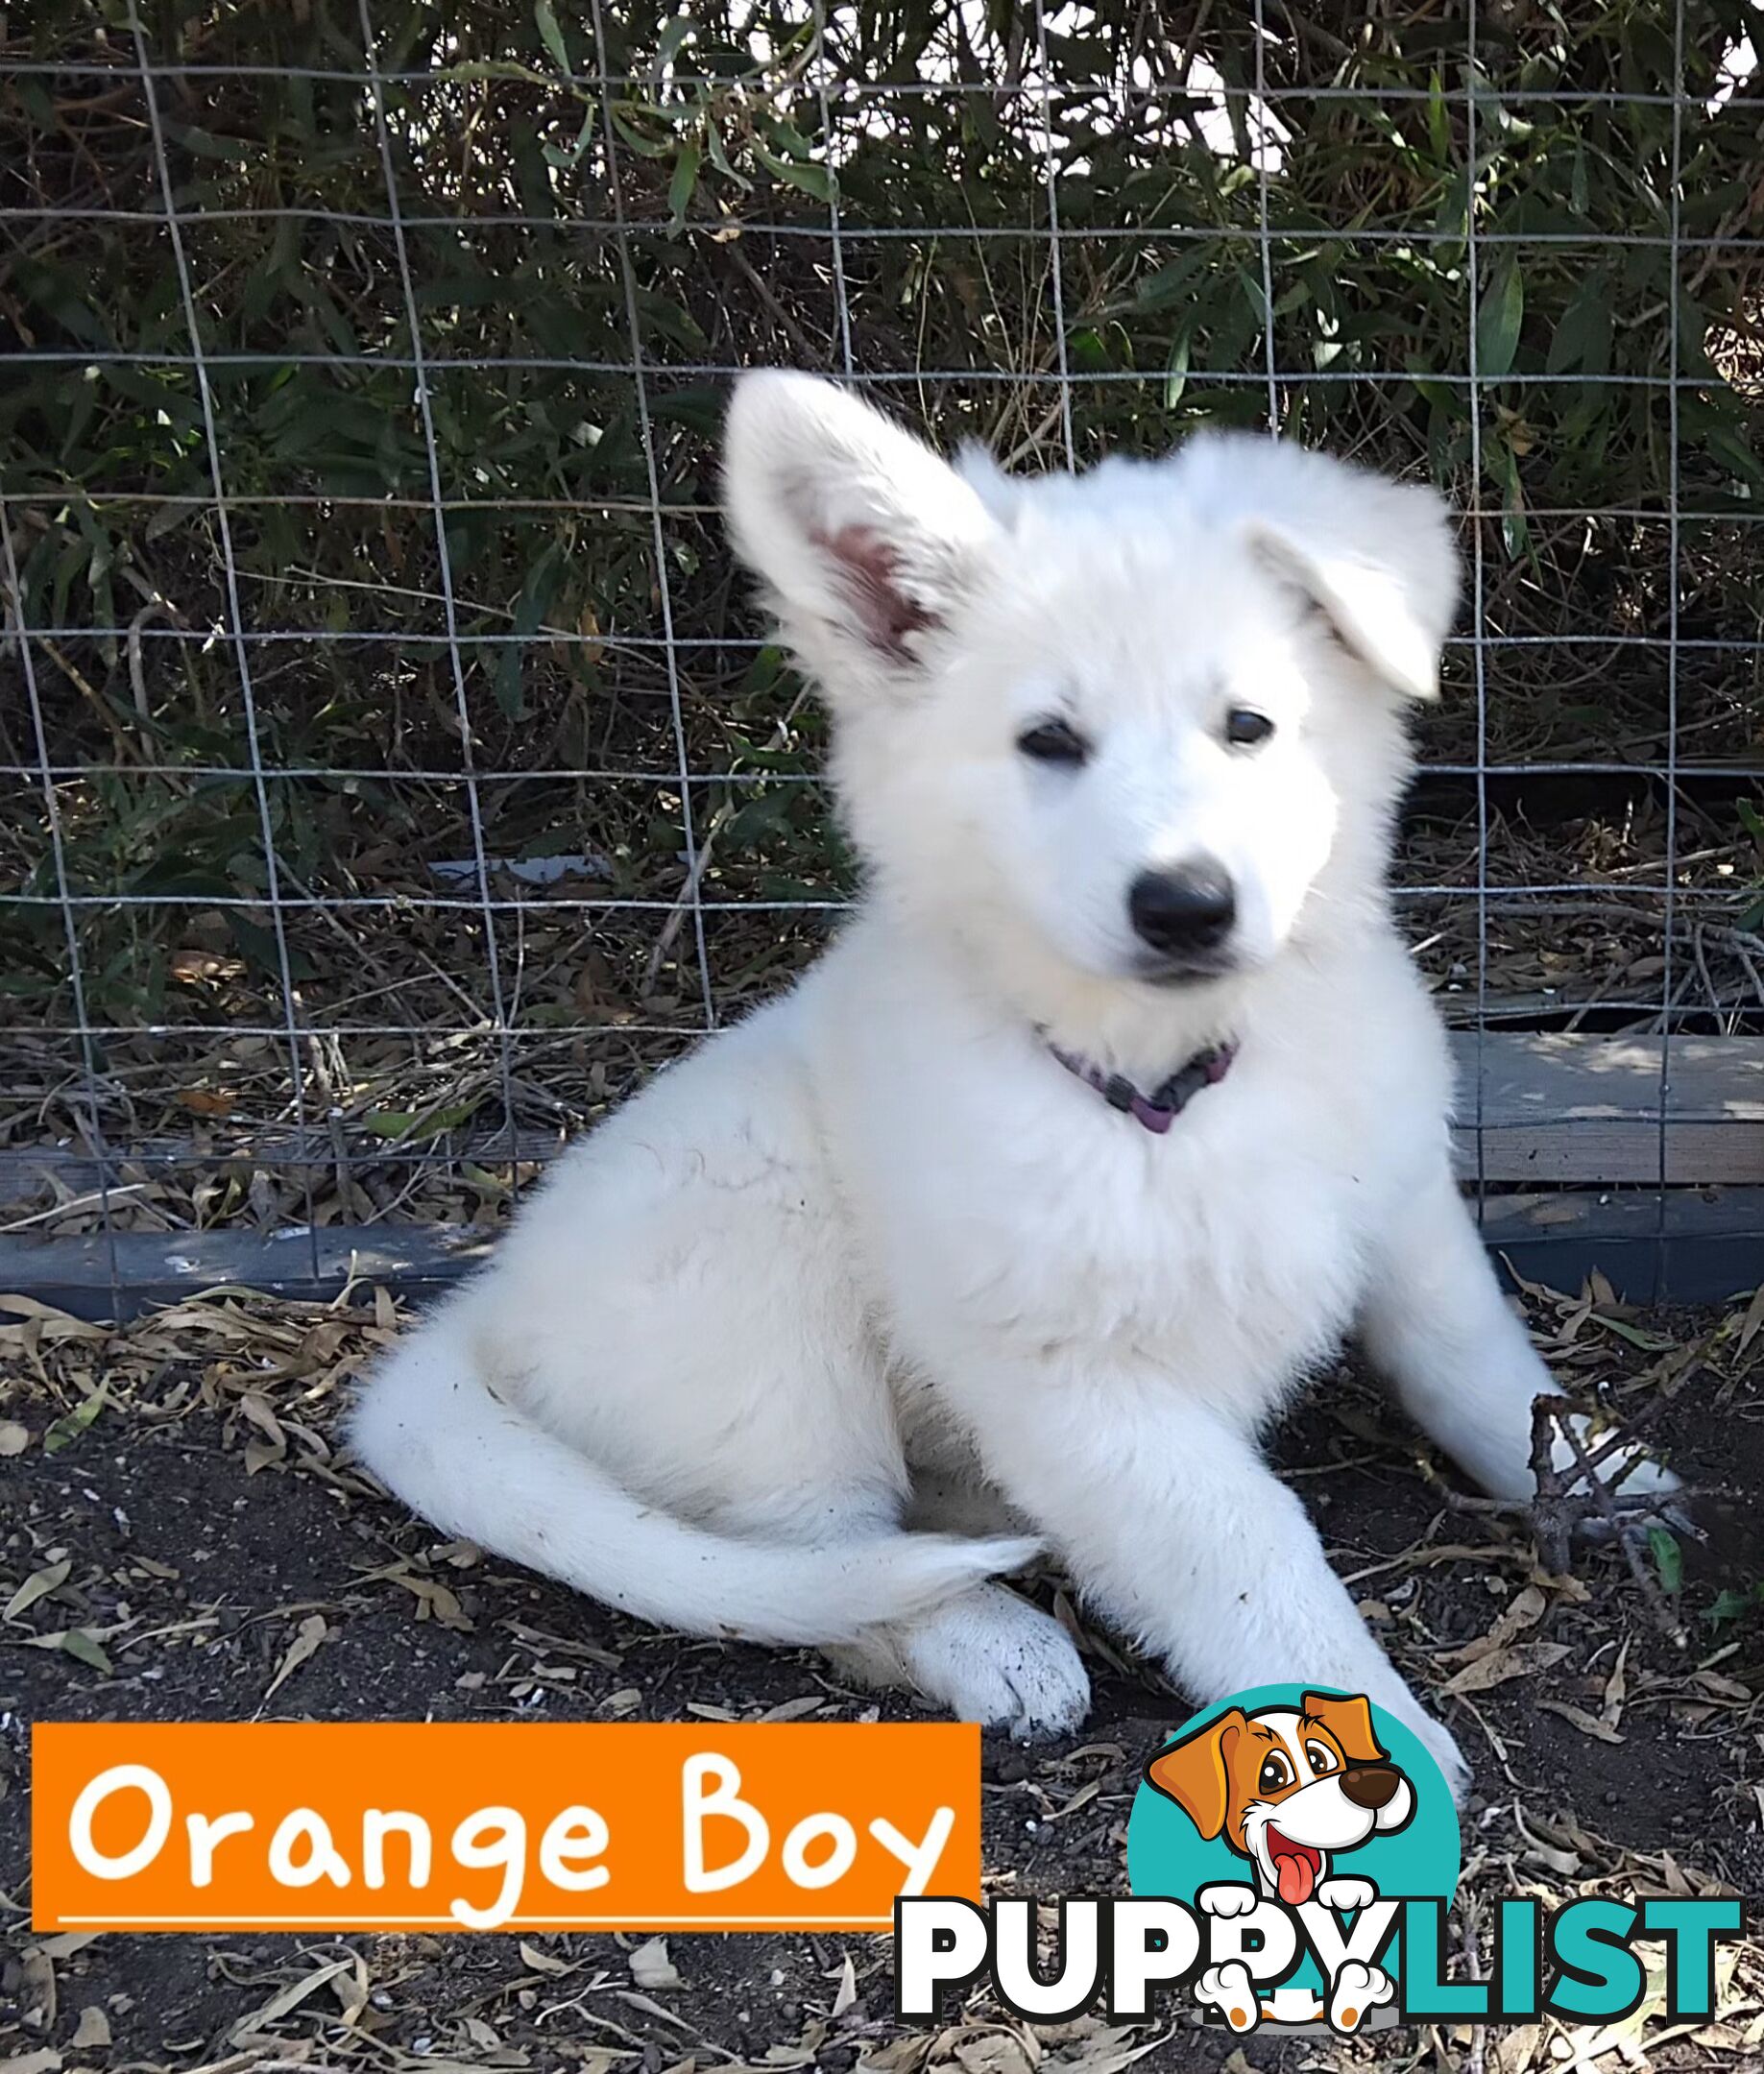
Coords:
pixel 1292 1854
pixel 1296 1823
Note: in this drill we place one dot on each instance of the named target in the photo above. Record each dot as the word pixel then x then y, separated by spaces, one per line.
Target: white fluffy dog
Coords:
pixel 1117 1104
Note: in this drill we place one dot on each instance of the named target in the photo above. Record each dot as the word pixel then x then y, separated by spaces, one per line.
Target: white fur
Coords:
pixel 876 1245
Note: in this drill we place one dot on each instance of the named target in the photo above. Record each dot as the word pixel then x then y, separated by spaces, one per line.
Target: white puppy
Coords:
pixel 1115 1106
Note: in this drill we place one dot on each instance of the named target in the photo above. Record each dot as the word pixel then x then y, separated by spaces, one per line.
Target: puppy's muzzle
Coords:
pixel 1372 1786
pixel 1186 909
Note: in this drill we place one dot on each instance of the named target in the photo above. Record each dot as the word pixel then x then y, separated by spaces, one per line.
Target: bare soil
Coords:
pixel 204 1517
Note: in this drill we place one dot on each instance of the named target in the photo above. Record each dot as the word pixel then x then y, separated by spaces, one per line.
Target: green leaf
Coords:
pixel 79 1644
pixel 626 114
pixel 1732 1606
pixel 259 946
pixel 550 33
pixel 685 181
pixel 1584 337
pixel 790 139
pixel 1668 1558
pixel 1176 374
pixel 204 144
pixel 1498 320
pixel 68 1428
pixel 1086 349
pixel 411 1125
pixel 813 180
pixel 1155 291
pixel 675 34
pixel 1438 119
pixel 719 159
pixel 1649 1342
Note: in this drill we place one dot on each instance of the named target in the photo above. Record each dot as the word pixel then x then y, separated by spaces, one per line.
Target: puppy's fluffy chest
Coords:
pixel 1012 1211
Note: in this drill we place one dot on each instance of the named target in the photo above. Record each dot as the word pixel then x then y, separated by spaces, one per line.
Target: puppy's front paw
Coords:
pixel 1227 1989
pixel 1345 1894
pixel 1230 1897
pixel 1641 1487
pixel 1355 1992
pixel 1437 1740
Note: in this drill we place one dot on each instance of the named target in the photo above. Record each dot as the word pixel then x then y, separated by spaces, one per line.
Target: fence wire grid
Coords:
pixel 392 769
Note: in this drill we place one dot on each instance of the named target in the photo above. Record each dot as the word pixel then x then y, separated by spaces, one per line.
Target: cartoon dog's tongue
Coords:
pixel 1296 1867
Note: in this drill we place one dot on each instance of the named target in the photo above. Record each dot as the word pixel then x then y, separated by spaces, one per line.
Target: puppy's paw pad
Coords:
pixel 1228 1990
pixel 1356 1992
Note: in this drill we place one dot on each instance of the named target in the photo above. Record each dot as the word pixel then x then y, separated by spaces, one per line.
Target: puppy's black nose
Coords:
pixel 1190 906
pixel 1373 1785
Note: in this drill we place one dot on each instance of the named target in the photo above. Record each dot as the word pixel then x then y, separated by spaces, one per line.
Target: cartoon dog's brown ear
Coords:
pixel 1192 1773
pixel 1350 1722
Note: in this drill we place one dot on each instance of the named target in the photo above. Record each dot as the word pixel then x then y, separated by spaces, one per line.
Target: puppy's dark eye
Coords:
pixel 1322 1757
pixel 1054 742
pixel 1276 1772
pixel 1246 730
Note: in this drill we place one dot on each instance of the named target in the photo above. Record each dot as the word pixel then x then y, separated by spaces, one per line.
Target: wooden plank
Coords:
pixel 1690 1245
pixel 1575 1110
pixel 1586 1111
pixel 1680 1246
pixel 158 1268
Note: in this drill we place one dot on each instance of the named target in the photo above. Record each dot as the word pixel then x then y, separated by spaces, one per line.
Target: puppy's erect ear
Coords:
pixel 998 490
pixel 1374 557
pixel 1195 1772
pixel 865 539
pixel 1350 1722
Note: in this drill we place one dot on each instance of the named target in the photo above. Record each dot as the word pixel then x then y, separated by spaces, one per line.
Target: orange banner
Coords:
pixel 498 1826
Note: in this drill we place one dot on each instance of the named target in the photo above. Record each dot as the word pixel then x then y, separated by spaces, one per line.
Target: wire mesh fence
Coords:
pixel 392 769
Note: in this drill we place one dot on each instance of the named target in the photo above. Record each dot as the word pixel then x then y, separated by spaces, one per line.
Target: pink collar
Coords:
pixel 1160 1109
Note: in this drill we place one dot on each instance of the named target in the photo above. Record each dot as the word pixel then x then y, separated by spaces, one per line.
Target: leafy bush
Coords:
pixel 577 509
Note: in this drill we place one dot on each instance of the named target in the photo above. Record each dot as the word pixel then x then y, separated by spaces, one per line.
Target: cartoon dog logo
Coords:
pixel 1286 1788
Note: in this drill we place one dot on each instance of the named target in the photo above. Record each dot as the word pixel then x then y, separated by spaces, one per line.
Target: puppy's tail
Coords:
pixel 433 1432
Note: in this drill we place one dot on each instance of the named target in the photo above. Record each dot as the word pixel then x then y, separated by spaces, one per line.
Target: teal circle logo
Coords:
pixel 1287 1817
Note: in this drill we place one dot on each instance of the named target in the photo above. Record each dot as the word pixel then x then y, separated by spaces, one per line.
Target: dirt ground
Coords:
pixel 176 1532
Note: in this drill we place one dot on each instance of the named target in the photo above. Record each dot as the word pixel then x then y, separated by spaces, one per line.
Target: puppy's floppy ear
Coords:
pixel 1195 1772
pixel 864 538
pixel 1374 557
pixel 1383 611
pixel 1349 1720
